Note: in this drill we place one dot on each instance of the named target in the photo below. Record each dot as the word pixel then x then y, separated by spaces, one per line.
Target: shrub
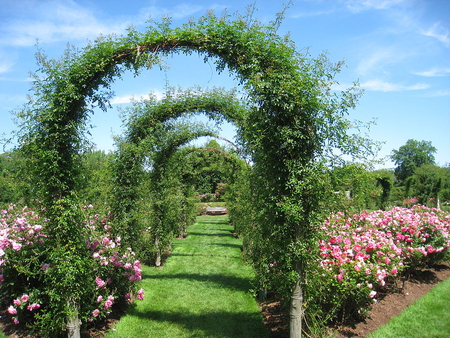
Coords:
pixel 360 255
pixel 28 275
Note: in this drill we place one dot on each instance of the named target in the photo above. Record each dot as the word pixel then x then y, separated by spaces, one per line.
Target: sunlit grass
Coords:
pixel 203 290
pixel 428 317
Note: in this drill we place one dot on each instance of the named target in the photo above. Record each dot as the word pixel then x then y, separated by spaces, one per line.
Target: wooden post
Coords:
pixel 73 323
pixel 296 312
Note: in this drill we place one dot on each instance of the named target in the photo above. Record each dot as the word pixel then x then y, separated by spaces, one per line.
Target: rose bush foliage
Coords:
pixel 363 255
pixel 25 268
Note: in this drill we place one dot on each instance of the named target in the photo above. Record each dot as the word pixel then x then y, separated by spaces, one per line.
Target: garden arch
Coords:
pixel 145 134
pixel 281 131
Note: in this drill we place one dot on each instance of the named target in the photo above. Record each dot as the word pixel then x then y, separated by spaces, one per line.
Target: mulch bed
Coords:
pixel 410 288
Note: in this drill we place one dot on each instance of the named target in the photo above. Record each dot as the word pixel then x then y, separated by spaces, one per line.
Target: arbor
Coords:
pixel 294 120
pixel 411 156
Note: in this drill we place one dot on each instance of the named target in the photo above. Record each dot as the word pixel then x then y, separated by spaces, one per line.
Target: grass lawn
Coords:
pixel 203 290
pixel 428 317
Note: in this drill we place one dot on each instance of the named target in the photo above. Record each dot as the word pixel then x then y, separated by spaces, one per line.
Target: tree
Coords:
pixel 411 156
pixel 426 183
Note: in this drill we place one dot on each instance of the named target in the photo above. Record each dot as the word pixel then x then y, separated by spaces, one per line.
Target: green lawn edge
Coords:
pixel 427 317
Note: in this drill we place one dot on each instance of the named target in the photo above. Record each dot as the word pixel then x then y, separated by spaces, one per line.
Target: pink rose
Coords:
pixel 12 310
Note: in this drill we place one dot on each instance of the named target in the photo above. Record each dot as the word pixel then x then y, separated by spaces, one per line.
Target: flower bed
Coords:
pixel 361 255
pixel 26 271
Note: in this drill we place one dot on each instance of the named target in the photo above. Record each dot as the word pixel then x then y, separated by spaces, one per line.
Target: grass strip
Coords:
pixel 203 290
pixel 428 317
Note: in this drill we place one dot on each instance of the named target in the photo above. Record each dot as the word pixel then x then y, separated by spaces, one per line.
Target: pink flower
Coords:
pixel 107 304
pixel 372 294
pixel 24 298
pixel 95 313
pixel 394 271
pixel 16 246
pixel 33 306
pixel 99 299
pixel 16 321
pixel 12 310
pixel 100 283
pixel 141 294
pixel 17 302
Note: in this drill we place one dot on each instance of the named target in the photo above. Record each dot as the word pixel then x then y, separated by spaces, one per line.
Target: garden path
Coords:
pixel 202 290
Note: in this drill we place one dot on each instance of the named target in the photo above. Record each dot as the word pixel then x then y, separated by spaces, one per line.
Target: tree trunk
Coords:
pixel 158 251
pixel 296 311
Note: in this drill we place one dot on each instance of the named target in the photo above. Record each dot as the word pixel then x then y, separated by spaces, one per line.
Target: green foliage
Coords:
pixel 426 183
pixel 294 124
pixel 411 156
pixel 95 180
pixel 385 180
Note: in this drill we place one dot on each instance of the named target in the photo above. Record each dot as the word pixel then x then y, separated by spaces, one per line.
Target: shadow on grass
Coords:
pixel 223 281
pixel 211 324
pixel 226 245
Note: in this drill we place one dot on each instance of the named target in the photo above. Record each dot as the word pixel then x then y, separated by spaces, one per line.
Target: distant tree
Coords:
pixel 426 183
pixel 94 185
pixel 411 156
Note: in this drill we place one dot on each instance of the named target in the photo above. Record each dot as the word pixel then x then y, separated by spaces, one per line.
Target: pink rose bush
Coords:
pixel 361 255
pixel 24 269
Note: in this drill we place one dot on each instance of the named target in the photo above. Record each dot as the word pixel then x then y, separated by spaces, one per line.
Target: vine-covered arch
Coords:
pixel 147 134
pixel 284 132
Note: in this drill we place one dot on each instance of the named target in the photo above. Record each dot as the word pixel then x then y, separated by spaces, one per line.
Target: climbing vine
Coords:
pixel 294 118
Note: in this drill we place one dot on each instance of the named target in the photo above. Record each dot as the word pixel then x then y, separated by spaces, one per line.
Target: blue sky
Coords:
pixel 399 50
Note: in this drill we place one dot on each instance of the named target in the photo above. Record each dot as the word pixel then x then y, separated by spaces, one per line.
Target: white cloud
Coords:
pixel 124 99
pixel 7 60
pixel 178 12
pixel 310 14
pixel 439 93
pixel 439 32
pixel 359 6
pixel 379 57
pixel 56 21
pixel 434 72
pixel 378 85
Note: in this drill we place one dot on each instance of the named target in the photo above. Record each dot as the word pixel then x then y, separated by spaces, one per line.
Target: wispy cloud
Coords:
pixel 379 85
pixel 375 59
pixel 311 14
pixel 56 21
pixel 129 98
pixel 177 12
pixel 359 6
pixel 439 32
pixel 7 60
pixel 434 72
pixel 439 93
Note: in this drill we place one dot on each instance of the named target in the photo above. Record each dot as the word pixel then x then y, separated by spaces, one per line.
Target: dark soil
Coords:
pixel 276 319
pixel 409 289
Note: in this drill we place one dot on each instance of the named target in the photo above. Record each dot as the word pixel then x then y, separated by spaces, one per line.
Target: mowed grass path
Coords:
pixel 203 290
